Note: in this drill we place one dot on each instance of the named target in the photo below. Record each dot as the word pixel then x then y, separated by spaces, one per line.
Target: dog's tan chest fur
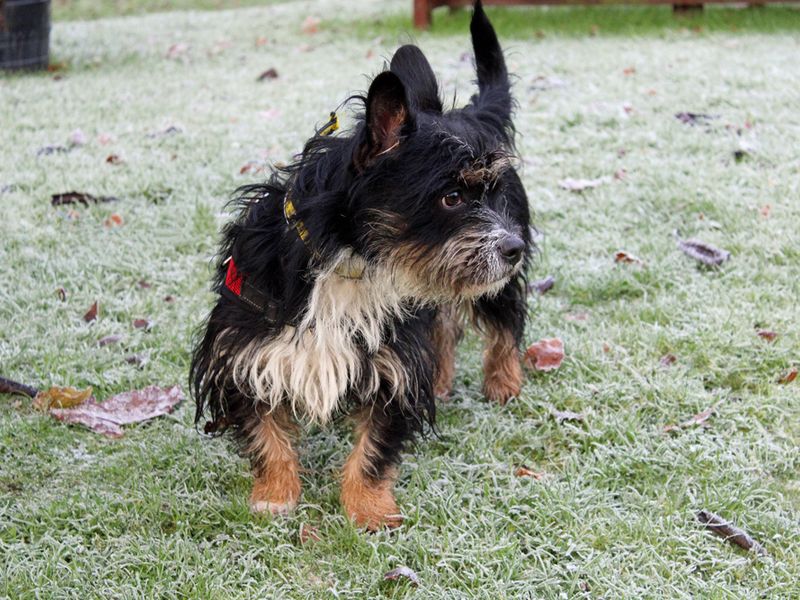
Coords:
pixel 312 366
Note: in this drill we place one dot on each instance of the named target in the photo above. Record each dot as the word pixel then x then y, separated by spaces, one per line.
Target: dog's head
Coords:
pixel 435 196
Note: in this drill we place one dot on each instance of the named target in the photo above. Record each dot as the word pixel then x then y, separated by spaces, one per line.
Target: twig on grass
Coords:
pixel 730 533
pixel 7 386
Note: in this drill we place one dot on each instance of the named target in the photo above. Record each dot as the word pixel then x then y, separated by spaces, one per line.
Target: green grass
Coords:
pixel 162 512
pixel 70 10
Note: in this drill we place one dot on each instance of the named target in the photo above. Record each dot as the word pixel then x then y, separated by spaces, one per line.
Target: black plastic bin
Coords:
pixel 24 34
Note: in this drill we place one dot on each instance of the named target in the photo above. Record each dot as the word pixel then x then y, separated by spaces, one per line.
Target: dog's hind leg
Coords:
pixel 501 319
pixel 276 468
pixel 370 471
pixel 447 332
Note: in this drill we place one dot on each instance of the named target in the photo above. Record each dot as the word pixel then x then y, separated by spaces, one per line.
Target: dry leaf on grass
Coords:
pixel 545 355
pixel 765 334
pixel 700 419
pixel 399 572
pixel 704 253
pixel 789 377
pixel 579 185
pixel 668 360
pixel 79 198
pixel 308 533
pixel 624 257
pixel 271 73
pixel 114 159
pixel 8 386
pixel 110 339
pixel 91 314
pixel 310 25
pixel 125 408
pixel 542 285
pixel 523 471
pixel 61 397
pixel 730 533
pixel 113 220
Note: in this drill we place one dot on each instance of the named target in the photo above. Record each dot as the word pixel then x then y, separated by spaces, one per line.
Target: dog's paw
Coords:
pixel 372 508
pixel 273 508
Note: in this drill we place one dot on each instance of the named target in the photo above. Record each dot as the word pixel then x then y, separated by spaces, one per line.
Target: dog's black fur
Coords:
pixel 431 205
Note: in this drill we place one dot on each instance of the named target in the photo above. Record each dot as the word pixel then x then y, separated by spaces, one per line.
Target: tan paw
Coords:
pixel 275 497
pixel 370 507
pixel 274 508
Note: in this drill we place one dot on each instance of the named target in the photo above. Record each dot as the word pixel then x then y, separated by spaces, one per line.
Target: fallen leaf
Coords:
pixel 309 533
pixel 690 118
pixel 579 185
pixel 177 50
pixel 545 355
pixel 169 298
pixel 271 73
pixel 114 159
pixel 668 360
pixel 261 41
pixel 125 408
pixel 252 166
pixel 621 174
pixel 62 294
pixel 624 257
pixel 567 415
pixel 606 347
pixel 8 386
pixel 789 377
pixel 104 139
pixel 542 285
pixel 145 324
pixel 524 471
pixel 144 284
pixel 310 25
pixel 110 339
pixel 765 334
pixel 91 314
pixel 79 198
pixel 627 71
pixel 139 360
pixel 729 532
pixel 702 252
pixel 61 397
pixel 399 572
pixel 765 210
pixel 700 418
pixel 77 138
pixel 113 220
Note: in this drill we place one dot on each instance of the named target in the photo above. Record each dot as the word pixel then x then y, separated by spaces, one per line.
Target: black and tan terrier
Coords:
pixel 344 278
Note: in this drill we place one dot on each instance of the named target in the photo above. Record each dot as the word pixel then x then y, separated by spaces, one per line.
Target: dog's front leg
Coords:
pixel 501 319
pixel 371 469
pixel 276 468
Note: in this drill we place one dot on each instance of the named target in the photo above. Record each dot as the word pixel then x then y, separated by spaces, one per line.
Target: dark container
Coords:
pixel 24 34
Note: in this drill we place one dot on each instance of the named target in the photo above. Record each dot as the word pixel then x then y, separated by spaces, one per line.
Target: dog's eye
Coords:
pixel 452 200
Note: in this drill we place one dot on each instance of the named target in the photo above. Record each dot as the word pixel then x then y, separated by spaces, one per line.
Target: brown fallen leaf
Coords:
pixel 61 397
pixel 545 355
pixel 271 73
pixel 310 25
pixel 125 408
pixel 700 419
pixel 62 294
pixel 110 339
pixel 567 415
pixel 139 360
pixel 765 210
pixel 9 386
pixel 627 71
pixel 91 314
pixel 145 324
pixel 308 534
pixel 399 572
pixel 580 185
pixel 79 198
pixel 169 298
pixel 668 360
pixel 702 252
pixel 765 334
pixel 730 533
pixel 542 285
pixel 523 471
pixel 789 377
pixel 113 220
pixel 144 284
pixel 624 257
pixel 114 159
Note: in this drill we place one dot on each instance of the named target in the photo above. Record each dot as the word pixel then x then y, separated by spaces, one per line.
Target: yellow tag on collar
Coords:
pixel 331 126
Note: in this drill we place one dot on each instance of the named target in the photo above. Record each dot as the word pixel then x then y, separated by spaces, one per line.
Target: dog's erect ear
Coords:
pixel 387 114
pixel 414 70
pixel 493 86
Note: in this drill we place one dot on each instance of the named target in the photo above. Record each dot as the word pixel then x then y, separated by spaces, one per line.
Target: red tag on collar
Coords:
pixel 233 281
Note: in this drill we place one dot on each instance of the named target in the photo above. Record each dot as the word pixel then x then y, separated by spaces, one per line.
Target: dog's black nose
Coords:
pixel 510 248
